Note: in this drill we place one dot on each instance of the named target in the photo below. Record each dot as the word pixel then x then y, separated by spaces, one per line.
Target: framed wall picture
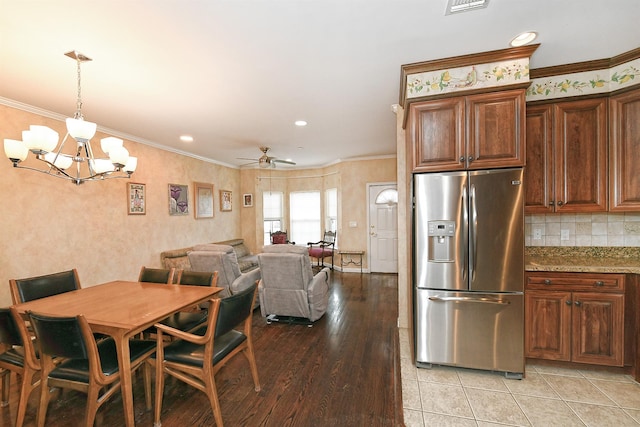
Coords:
pixel 247 200
pixel 136 202
pixel 178 199
pixel 225 200
pixel 203 200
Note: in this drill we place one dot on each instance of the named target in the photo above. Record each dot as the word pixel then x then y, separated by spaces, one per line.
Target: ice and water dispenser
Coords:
pixel 441 241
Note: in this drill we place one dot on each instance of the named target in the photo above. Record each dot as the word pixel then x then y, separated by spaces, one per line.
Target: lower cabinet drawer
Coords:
pixel 576 282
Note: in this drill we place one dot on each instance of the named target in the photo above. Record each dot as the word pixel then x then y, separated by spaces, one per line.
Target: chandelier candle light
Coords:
pixel 42 142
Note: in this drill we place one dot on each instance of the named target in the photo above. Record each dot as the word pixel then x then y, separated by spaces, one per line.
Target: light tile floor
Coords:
pixel 447 396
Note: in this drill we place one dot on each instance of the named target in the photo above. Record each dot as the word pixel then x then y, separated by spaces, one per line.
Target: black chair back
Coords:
pixel 234 309
pixel 44 286
pixel 59 336
pixel 8 330
pixel 156 275
pixel 196 278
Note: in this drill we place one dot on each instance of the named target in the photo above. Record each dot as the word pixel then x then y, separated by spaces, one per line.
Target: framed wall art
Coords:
pixel 247 200
pixel 178 199
pixel 225 200
pixel 136 203
pixel 203 200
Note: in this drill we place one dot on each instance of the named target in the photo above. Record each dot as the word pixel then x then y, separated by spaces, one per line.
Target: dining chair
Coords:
pixel 324 248
pixel 190 320
pixel 196 357
pixel 32 288
pixel 198 278
pixel 280 238
pixel 157 275
pixel 19 357
pixel 88 366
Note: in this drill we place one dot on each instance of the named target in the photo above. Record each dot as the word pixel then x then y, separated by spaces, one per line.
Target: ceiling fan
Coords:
pixel 266 161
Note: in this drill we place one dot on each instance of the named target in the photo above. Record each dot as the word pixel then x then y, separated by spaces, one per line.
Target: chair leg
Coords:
pixel 159 387
pixel 248 352
pixel 212 394
pixel 45 396
pixel 147 385
pixel 26 388
pixel 92 405
pixel 6 382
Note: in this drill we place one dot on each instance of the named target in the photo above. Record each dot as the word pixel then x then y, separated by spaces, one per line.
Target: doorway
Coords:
pixel 383 227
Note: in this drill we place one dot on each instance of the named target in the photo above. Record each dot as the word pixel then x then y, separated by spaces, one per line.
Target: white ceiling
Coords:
pixel 236 74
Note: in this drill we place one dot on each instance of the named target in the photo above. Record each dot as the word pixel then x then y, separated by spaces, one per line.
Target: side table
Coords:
pixel 349 257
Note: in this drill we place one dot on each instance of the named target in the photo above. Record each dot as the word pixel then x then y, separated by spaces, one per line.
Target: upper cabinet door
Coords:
pixel 624 152
pixel 538 175
pixel 580 134
pixel 496 129
pixel 481 131
pixel 436 133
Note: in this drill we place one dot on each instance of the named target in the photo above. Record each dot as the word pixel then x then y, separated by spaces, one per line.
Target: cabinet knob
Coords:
pixel 567 302
pixel 599 283
pixel 470 159
pixel 547 281
pixel 461 159
pixel 552 202
pixel 560 203
pixel 578 303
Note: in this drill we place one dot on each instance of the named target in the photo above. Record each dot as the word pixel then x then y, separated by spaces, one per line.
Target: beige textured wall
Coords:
pixel 404 226
pixel 50 225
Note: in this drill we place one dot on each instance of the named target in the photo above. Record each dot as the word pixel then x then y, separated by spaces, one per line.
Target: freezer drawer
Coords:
pixel 470 329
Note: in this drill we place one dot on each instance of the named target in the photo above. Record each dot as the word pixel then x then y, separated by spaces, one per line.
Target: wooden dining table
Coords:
pixel 122 309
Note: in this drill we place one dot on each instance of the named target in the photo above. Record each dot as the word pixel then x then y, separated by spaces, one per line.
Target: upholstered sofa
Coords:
pixel 179 259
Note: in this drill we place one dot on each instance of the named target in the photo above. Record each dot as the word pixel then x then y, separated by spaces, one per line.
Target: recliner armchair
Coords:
pixel 222 258
pixel 288 287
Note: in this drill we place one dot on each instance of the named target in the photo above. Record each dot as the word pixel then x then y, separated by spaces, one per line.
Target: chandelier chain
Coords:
pixel 78 114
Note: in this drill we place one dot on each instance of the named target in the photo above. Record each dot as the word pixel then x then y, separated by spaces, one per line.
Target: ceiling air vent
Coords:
pixel 455 6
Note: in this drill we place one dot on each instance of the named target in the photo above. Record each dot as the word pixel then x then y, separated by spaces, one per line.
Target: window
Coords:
pixel 304 211
pixel 331 209
pixel 272 213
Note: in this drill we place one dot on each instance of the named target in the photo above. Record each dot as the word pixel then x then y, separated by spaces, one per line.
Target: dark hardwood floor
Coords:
pixel 344 371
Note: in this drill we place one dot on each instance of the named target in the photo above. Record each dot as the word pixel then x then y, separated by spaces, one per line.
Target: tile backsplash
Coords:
pixel 597 229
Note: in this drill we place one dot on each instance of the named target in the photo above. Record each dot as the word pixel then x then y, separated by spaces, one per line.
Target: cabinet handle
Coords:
pixel 567 302
pixel 560 203
pixel 547 281
pixel 599 283
pixel 470 159
pixel 578 303
pixel 552 202
pixel 461 159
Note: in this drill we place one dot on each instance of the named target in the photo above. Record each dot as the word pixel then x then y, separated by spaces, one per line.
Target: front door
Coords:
pixel 383 228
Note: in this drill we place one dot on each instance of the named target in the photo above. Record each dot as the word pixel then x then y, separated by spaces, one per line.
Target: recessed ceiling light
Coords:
pixel 523 38
pixel 300 123
pixel 186 138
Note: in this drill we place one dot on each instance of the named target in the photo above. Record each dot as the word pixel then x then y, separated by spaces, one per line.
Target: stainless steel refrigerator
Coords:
pixel 468 269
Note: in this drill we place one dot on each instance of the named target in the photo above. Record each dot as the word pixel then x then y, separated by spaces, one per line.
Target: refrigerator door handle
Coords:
pixel 465 233
pixel 473 231
pixel 484 300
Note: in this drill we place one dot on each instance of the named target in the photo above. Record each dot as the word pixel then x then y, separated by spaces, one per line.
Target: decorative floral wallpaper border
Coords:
pixel 492 74
pixel 585 83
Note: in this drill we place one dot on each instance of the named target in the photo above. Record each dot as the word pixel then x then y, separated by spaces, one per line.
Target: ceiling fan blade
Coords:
pixel 289 162
pixel 246 158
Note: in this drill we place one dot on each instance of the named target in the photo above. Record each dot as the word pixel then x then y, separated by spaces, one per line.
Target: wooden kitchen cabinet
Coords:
pixel 480 131
pixel 575 317
pixel 566 157
pixel 624 151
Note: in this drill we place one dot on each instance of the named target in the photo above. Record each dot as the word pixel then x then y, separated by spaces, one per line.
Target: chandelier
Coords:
pixel 81 165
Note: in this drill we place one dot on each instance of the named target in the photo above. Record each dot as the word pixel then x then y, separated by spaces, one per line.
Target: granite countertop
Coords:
pixel 583 259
